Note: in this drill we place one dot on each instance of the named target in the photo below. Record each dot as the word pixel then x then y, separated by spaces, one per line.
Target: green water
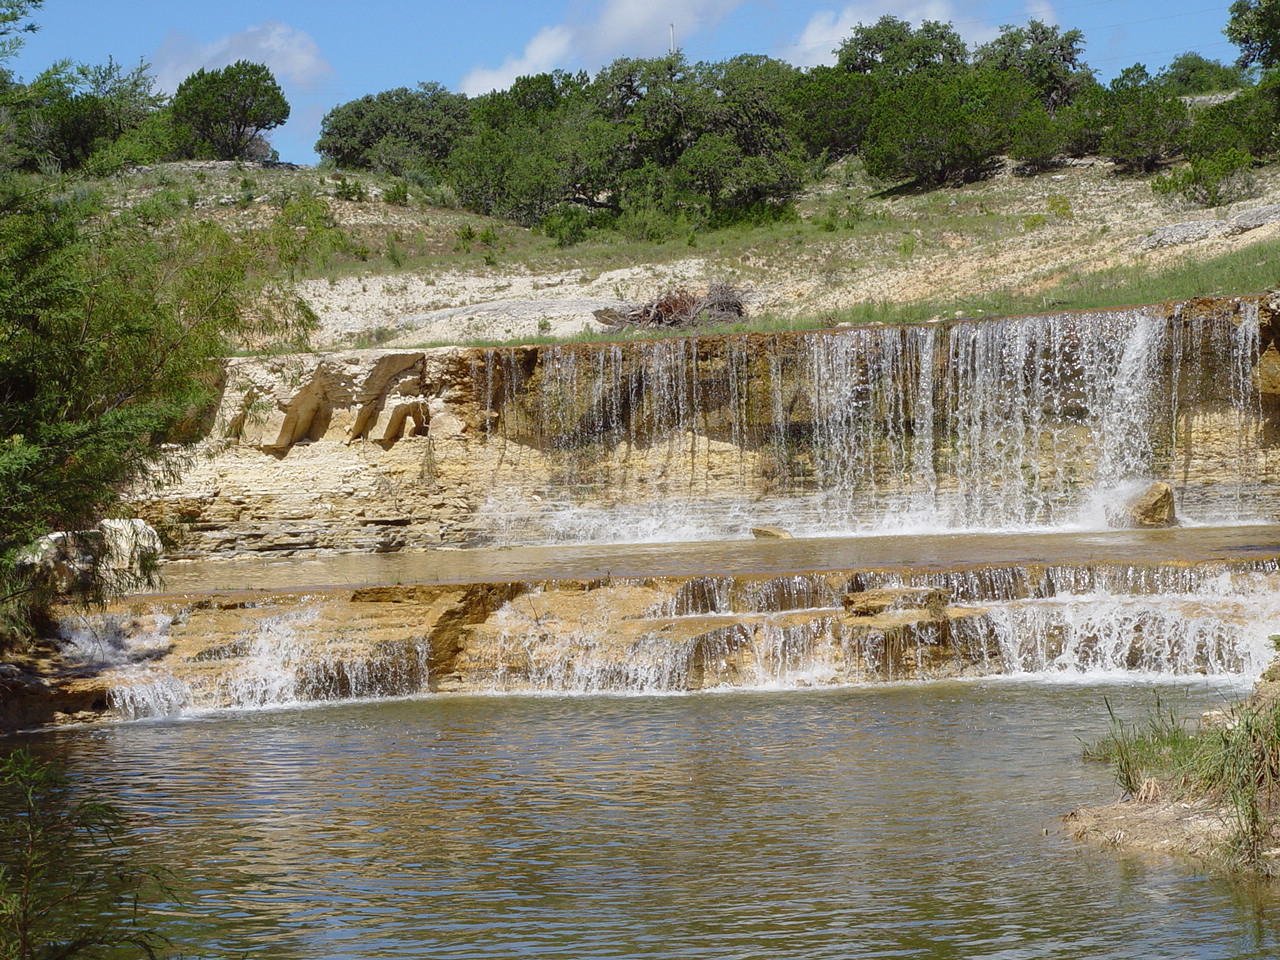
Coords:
pixel 907 821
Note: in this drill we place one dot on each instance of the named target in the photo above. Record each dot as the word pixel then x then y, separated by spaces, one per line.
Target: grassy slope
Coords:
pixel 1011 244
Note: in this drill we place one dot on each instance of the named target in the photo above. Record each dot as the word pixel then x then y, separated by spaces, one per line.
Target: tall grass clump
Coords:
pixel 1235 765
pixel 1239 765
pixel 1151 748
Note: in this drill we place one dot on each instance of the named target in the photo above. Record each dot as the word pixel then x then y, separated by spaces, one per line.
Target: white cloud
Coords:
pixel 546 51
pixel 1041 10
pixel 622 28
pixel 826 28
pixel 640 28
pixel 292 55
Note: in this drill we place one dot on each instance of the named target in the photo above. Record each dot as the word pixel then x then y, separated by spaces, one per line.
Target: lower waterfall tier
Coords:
pixel 1133 604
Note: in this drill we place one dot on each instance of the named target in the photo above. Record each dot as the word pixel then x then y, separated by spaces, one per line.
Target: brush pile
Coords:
pixel 722 303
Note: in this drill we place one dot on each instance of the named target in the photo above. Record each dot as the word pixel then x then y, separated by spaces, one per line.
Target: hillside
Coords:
pixel 1080 235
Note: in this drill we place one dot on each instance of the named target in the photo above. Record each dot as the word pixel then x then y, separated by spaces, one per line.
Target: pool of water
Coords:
pixel 901 821
pixel 939 552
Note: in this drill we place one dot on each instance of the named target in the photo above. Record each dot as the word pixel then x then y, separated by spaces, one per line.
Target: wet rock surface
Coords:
pixel 154 656
pixel 387 450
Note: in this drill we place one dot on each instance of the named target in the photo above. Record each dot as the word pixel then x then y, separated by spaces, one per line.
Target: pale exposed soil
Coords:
pixel 497 305
pixel 1162 827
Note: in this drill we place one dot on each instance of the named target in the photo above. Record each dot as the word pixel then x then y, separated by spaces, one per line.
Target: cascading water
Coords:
pixel 1024 424
pixel 286 658
pixel 1037 422
pixel 1055 623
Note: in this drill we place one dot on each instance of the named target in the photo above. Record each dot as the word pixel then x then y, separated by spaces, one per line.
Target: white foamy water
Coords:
pixel 789 633
pixel 1032 423
pixel 286 660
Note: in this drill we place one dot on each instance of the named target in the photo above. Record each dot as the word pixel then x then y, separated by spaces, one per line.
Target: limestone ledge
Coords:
pixel 378 450
pixel 563 635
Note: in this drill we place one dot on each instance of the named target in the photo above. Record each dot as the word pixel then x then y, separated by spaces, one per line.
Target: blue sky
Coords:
pixel 325 52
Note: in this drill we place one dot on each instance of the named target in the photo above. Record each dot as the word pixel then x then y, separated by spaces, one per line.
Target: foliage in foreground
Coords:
pixel 112 331
pixel 69 885
pixel 1236 764
pixel 113 323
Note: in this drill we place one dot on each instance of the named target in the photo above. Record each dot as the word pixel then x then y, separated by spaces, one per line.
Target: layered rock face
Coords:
pixel 999 423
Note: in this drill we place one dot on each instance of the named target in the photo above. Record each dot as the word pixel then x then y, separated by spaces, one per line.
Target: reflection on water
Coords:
pixel 898 822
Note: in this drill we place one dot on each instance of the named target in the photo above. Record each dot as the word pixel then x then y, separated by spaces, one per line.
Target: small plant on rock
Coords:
pixel 396 194
pixel 351 189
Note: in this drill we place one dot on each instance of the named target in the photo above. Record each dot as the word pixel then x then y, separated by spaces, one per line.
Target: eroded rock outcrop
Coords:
pixel 249 649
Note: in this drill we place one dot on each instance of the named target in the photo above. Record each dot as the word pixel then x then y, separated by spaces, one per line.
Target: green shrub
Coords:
pixel 1210 181
pixel 1059 206
pixel 1083 121
pixel 569 223
pixel 395 252
pixel 464 236
pixel 1145 124
pixel 1248 122
pixel 396 193
pixel 1190 73
pixel 932 129
pixel 1036 140
pixel 649 223
pixel 349 188
pixel 441 195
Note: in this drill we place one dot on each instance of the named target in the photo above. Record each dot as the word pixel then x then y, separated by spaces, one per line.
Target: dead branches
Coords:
pixel 722 303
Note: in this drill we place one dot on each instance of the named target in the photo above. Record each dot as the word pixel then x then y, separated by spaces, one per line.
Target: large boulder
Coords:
pixel 122 553
pixel 1153 507
pixel 131 547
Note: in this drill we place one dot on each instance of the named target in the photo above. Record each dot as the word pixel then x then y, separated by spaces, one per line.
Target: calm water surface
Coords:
pixel 893 822
pixel 931 552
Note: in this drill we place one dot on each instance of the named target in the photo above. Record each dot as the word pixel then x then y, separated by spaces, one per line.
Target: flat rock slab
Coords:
pixel 1180 545
pixel 1174 234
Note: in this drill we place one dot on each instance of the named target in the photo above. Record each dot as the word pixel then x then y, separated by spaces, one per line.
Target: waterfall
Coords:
pixel 1120 621
pixel 1025 424
pixel 285 659
pixel 1039 422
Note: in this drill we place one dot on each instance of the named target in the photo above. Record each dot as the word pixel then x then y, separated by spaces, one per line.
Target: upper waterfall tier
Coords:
pixel 1040 422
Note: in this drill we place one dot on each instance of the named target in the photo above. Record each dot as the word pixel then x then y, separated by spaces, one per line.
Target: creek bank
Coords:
pixel 1171 816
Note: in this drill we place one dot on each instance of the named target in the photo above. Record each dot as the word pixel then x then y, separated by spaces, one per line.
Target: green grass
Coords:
pixel 1235 764
pixel 1155 747
pixel 845 226
pixel 1251 270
